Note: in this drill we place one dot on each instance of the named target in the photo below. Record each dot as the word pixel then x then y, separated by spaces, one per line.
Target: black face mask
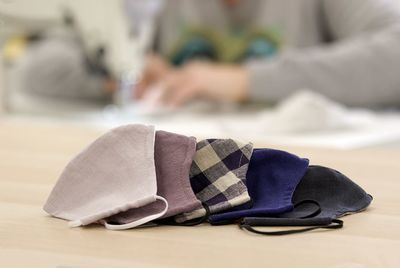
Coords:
pixel 322 196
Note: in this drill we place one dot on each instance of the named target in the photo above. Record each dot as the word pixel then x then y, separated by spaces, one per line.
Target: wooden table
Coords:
pixel 32 157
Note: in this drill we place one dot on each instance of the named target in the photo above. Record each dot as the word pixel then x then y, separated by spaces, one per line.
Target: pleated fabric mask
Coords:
pixel 271 180
pixel 173 157
pixel 113 174
pixel 325 194
pixel 218 175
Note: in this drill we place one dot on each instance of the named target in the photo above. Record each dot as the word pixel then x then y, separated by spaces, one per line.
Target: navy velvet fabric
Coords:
pixel 271 179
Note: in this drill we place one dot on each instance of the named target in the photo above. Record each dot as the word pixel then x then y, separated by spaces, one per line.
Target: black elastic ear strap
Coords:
pixel 307 220
pixel 231 221
pixel 309 201
pixel 316 223
pixel 171 221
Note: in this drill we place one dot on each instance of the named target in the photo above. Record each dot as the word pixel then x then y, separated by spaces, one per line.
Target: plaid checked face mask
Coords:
pixel 173 156
pixel 323 195
pixel 271 179
pixel 115 173
pixel 217 176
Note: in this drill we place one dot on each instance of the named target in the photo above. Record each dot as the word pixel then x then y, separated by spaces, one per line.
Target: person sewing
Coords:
pixel 256 50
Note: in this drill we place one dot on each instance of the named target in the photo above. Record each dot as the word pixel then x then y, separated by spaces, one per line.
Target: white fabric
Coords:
pixel 113 174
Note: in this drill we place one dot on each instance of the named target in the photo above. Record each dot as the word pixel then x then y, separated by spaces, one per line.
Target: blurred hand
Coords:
pixel 155 69
pixel 205 80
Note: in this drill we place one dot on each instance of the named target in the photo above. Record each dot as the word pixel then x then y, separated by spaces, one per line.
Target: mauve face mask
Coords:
pixel 173 155
pixel 113 174
pixel 323 195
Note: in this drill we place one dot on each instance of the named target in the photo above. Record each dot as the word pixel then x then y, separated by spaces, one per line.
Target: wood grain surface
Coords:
pixel 32 157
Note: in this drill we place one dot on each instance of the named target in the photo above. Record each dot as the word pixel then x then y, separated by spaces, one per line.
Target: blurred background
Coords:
pixel 319 73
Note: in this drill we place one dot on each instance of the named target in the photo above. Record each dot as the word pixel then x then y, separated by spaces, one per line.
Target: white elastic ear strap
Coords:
pixel 141 221
pixel 74 224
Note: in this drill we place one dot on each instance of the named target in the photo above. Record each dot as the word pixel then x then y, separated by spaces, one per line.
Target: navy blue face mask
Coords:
pixel 322 196
pixel 271 179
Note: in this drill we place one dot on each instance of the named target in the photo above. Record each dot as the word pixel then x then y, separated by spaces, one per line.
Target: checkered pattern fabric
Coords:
pixel 218 174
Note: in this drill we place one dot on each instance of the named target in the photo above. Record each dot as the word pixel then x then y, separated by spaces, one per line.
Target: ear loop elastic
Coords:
pixel 321 223
pixel 313 214
pixel 309 201
pixel 308 220
pixel 141 221
pixel 171 221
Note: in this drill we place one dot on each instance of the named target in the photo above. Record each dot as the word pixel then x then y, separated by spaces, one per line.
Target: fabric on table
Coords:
pixel 336 194
pixel 113 174
pixel 332 194
pixel 218 175
pixel 173 155
pixel 271 180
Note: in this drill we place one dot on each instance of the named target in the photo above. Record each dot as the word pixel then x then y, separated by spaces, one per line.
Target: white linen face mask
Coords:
pixel 113 174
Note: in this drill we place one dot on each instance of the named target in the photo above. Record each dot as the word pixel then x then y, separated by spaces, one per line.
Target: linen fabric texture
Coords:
pixel 336 194
pixel 322 196
pixel 113 174
pixel 271 180
pixel 218 175
pixel 173 154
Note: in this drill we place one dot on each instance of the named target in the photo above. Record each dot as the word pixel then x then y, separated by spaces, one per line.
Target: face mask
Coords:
pixel 173 156
pixel 322 196
pixel 217 176
pixel 271 179
pixel 113 174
